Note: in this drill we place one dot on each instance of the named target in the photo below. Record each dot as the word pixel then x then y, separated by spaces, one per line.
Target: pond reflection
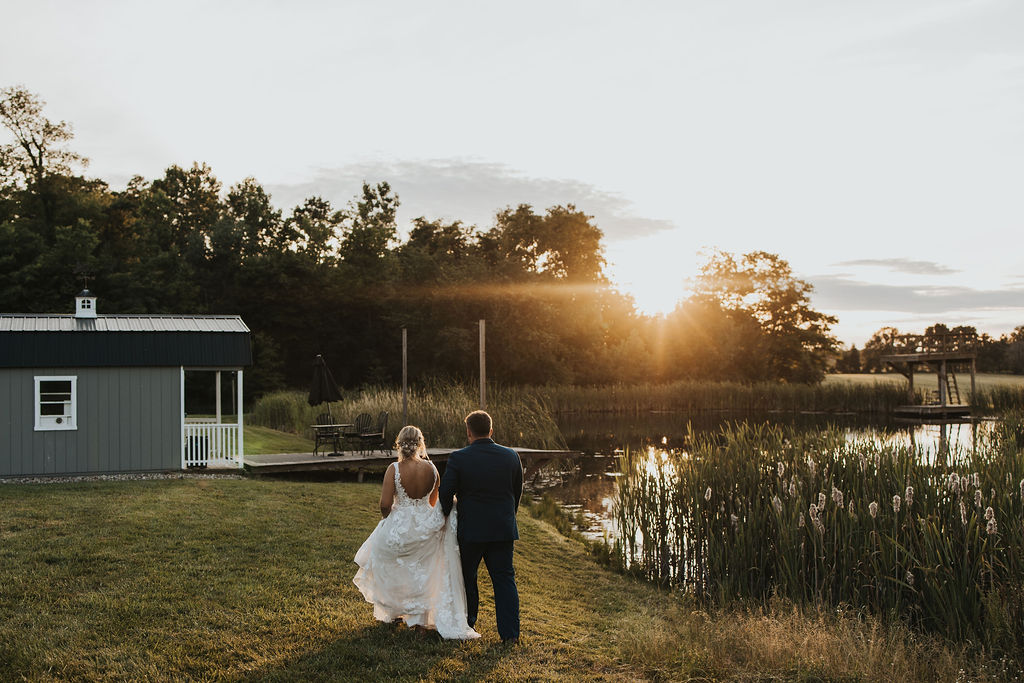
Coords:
pixel 585 486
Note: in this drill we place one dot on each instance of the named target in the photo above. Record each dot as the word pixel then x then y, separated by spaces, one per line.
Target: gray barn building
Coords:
pixel 88 393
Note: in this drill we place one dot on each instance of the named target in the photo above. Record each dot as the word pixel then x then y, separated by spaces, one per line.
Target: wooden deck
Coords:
pixel 933 411
pixel 352 461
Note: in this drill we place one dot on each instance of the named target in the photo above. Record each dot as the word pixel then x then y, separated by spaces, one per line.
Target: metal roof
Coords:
pixel 121 323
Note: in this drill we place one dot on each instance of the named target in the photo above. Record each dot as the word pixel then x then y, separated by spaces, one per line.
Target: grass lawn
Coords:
pixel 264 440
pixel 251 580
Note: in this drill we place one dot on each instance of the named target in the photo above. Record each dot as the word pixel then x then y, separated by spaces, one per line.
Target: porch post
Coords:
pixel 218 397
pixel 241 442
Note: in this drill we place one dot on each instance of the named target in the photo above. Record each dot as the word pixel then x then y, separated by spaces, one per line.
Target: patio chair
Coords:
pixel 353 435
pixel 374 440
pixel 324 432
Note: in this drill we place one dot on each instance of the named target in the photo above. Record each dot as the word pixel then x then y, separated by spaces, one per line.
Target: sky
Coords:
pixel 878 145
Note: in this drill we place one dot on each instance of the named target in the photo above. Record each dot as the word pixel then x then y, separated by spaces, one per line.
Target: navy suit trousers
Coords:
pixel 497 557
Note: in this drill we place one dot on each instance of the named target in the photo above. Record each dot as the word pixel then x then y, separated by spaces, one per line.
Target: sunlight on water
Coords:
pixel 587 487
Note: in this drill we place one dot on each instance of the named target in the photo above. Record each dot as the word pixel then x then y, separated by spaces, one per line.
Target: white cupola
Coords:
pixel 85 305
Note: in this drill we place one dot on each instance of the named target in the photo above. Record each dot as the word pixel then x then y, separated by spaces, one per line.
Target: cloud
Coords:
pixel 470 191
pixel 903 265
pixel 841 293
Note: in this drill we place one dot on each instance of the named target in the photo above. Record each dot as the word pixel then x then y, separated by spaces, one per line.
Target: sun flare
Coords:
pixel 655 270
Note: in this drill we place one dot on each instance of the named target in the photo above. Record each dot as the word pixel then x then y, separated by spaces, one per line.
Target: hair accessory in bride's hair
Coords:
pixel 409 444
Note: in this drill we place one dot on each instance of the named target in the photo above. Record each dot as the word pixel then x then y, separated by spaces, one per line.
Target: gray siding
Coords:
pixel 129 419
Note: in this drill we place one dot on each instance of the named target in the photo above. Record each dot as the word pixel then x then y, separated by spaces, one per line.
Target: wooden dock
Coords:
pixel 933 411
pixel 353 461
pixel 940 355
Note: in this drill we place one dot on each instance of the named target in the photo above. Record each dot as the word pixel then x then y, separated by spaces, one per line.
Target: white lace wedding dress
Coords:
pixel 409 567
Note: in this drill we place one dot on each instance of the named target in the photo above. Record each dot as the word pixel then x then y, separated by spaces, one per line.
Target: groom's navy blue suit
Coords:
pixel 488 481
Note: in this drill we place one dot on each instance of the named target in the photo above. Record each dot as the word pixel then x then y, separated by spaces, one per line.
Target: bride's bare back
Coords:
pixel 418 479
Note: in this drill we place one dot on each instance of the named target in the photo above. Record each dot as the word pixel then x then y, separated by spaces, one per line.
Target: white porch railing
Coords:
pixel 211 445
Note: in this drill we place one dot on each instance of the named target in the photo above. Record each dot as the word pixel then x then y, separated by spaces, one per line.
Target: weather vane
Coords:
pixel 84 273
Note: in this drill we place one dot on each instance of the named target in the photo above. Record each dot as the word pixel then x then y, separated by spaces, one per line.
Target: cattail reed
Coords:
pixel 744 515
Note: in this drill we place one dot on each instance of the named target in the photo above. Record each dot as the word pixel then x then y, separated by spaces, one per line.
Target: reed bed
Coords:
pixel 520 418
pixel 998 399
pixel 756 513
pixel 701 396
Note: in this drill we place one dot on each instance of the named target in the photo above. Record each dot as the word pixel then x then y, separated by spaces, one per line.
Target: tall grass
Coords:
pixel 520 418
pixel 702 396
pixel 756 512
pixel 998 399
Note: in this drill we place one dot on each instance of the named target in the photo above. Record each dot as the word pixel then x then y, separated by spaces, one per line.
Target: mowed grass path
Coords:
pixel 251 580
pixel 218 579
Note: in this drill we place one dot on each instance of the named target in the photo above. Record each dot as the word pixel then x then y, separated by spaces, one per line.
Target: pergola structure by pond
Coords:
pixel 942 355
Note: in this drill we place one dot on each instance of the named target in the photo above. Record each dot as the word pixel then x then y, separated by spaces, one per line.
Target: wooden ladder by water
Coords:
pixel 955 387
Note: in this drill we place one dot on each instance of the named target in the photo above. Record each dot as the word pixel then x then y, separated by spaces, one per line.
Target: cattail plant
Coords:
pixel 743 515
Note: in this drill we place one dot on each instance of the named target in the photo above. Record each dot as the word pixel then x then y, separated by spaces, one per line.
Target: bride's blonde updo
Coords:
pixel 410 444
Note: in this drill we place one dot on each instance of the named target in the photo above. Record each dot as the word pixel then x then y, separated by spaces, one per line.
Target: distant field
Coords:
pixel 923 380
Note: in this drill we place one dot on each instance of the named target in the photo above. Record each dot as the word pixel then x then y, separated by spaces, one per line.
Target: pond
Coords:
pixel 586 486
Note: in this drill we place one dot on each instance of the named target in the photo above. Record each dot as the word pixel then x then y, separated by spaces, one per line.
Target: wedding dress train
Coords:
pixel 409 567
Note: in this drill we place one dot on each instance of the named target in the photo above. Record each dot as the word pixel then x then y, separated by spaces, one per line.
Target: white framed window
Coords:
pixel 56 403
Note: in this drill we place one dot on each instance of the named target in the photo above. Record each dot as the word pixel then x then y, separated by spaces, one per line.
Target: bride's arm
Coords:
pixel 437 485
pixel 387 493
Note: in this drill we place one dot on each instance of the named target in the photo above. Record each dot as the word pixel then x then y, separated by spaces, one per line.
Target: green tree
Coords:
pixel 370 228
pixel 885 341
pixel 250 225
pixel 39 148
pixel 564 243
pixel 796 338
pixel 315 228
pixel 849 360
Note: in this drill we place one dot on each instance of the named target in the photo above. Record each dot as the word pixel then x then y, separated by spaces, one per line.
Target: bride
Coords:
pixel 409 566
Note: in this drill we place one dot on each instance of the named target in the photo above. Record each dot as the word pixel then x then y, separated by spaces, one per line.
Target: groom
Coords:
pixel 488 481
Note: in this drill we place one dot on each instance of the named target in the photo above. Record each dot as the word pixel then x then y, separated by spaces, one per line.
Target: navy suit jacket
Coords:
pixel 488 480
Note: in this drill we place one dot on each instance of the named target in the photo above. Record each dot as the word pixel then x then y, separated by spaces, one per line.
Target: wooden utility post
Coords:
pixel 483 365
pixel 405 377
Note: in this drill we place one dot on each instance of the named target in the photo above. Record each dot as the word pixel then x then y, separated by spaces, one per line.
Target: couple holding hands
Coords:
pixel 419 565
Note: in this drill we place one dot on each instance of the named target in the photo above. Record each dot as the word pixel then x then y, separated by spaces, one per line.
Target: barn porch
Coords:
pixel 210 435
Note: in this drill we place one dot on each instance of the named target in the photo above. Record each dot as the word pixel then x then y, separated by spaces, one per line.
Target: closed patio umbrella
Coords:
pixel 323 388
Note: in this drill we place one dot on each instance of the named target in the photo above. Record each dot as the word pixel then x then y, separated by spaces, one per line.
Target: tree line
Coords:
pixel 341 281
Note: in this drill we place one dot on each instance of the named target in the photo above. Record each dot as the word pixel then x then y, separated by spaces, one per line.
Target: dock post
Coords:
pixel 974 371
pixel 943 384
pixel 910 377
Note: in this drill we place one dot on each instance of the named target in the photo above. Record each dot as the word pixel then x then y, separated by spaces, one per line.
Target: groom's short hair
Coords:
pixel 479 423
